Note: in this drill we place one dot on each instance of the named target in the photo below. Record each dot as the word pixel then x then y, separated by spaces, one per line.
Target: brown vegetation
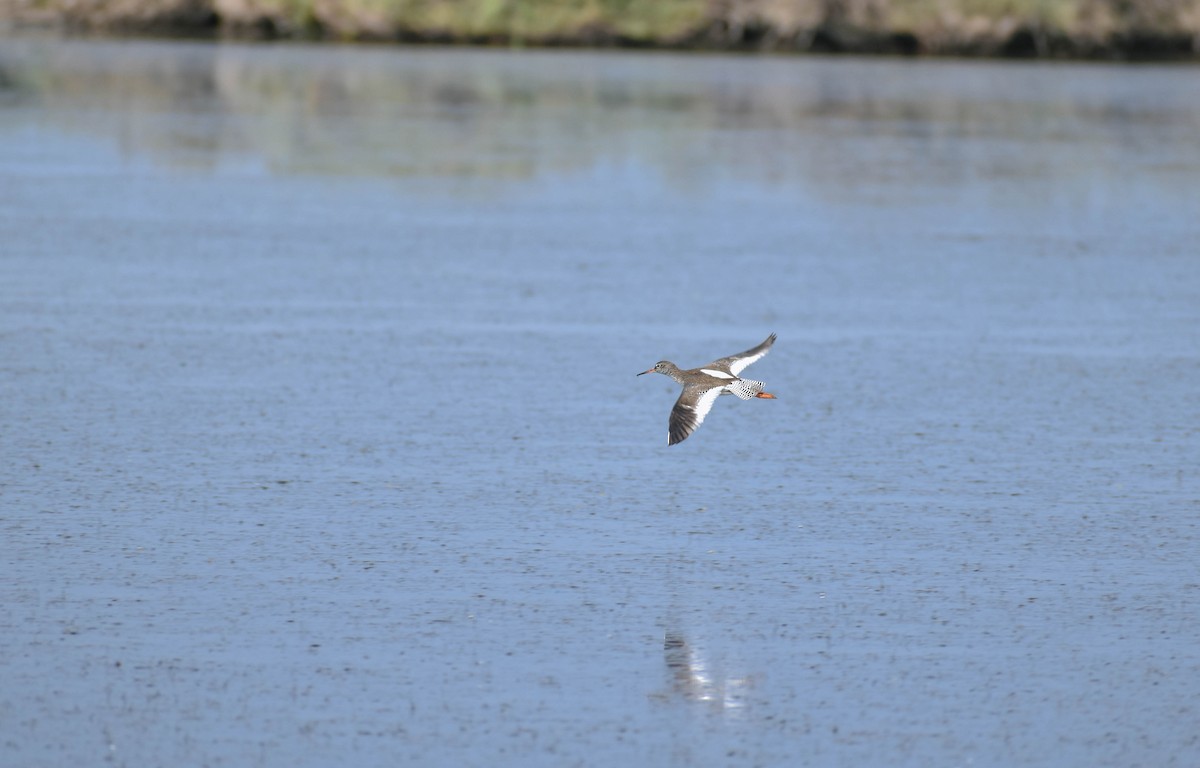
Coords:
pixel 1028 28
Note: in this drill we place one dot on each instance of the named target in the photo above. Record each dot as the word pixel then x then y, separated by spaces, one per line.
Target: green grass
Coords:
pixel 539 19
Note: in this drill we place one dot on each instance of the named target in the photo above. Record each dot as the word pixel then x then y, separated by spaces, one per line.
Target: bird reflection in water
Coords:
pixel 693 679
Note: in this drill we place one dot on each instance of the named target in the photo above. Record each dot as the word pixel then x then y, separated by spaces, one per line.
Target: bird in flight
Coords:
pixel 702 386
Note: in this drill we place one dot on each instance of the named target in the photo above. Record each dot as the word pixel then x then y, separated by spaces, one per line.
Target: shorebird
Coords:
pixel 702 386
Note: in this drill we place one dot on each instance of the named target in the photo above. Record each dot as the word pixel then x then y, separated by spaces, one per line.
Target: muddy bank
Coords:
pixel 1111 29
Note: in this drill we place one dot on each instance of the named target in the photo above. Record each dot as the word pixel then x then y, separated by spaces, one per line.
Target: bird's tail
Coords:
pixel 746 388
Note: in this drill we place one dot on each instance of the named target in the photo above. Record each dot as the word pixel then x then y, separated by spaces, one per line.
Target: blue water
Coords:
pixel 322 442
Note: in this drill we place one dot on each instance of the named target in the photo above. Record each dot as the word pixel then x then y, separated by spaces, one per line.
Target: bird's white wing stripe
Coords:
pixel 705 404
pixel 717 374
pixel 741 364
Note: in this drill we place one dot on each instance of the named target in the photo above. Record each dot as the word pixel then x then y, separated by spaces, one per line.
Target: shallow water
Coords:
pixel 322 442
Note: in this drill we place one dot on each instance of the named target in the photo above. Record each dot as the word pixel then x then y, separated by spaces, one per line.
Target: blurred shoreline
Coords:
pixel 1166 30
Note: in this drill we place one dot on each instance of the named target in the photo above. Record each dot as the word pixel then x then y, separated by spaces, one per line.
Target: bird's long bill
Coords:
pixel 643 373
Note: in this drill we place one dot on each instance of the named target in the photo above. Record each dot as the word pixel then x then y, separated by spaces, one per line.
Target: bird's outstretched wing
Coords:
pixel 689 411
pixel 735 364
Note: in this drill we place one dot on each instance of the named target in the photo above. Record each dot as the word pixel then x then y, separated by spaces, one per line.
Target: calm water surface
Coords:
pixel 322 443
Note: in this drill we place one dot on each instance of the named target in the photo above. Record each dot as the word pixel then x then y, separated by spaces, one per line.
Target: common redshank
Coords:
pixel 702 386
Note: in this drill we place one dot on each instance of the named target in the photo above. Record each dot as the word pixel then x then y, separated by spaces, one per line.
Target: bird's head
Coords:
pixel 662 366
